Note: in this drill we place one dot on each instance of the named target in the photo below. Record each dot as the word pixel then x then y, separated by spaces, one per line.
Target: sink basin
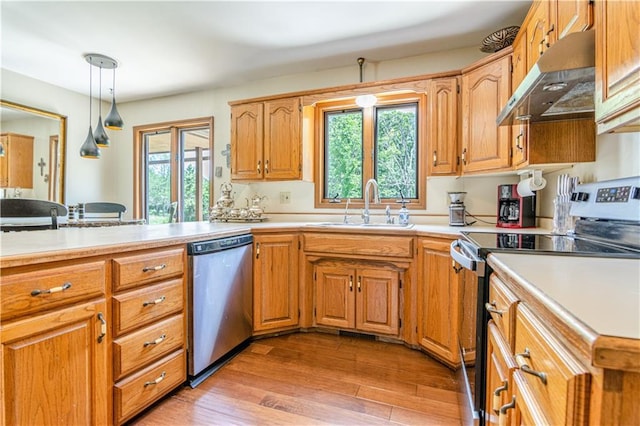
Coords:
pixel 364 225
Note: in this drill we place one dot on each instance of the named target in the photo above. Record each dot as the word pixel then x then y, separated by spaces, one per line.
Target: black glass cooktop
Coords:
pixel 545 243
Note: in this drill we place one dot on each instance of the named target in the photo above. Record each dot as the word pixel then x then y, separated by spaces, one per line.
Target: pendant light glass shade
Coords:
pixel 113 120
pixel 89 149
pixel 365 101
pixel 101 137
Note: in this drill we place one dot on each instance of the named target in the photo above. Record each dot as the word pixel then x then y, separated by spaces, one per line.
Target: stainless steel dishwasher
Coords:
pixel 220 303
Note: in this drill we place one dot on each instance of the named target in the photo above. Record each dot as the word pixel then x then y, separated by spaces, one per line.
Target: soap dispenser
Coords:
pixel 403 215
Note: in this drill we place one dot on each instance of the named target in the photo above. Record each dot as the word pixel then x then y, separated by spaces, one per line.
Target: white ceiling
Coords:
pixel 166 48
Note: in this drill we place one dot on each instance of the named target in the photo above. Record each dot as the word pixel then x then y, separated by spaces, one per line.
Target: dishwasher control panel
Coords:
pixel 210 246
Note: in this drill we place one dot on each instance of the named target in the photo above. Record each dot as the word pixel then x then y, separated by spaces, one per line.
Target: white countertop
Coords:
pixel 603 293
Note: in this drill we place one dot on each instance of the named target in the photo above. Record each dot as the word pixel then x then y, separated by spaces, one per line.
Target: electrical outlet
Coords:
pixel 285 198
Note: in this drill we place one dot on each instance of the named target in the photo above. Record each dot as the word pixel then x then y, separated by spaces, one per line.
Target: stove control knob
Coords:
pixel 583 196
pixel 635 194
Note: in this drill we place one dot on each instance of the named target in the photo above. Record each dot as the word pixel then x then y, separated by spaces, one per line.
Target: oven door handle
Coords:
pixel 462 252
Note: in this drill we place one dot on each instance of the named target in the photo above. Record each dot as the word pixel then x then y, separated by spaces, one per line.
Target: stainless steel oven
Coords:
pixel 607 225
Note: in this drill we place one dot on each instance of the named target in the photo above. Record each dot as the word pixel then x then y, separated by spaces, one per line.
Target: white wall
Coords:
pixel 111 177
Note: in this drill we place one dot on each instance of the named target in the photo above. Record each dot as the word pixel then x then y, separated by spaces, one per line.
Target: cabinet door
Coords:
pixel 246 142
pixel 617 98
pixel 573 16
pixel 438 302
pixel 500 366
pixel 485 91
pixel 16 167
pixel 275 281
pixel 443 126
pixel 335 296
pixel 282 139
pixel 377 300
pixel 518 72
pixel 540 32
pixel 55 368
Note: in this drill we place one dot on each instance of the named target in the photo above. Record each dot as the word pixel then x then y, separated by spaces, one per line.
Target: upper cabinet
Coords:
pixel 572 16
pixel 486 87
pixel 266 140
pixel 443 126
pixel 540 30
pixel 617 97
pixel 16 166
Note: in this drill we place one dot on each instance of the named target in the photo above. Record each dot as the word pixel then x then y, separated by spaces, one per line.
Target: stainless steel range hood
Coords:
pixel 560 86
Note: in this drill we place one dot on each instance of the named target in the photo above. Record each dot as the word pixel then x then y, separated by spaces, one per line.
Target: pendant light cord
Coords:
pixel 100 93
pixel 90 97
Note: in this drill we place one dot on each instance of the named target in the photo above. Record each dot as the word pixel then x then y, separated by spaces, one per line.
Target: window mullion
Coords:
pixel 368 146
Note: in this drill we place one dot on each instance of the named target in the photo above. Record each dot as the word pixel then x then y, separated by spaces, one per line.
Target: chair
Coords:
pixel 28 209
pixel 104 210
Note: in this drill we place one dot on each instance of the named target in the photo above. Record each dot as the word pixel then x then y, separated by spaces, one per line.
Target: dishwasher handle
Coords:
pixel 462 252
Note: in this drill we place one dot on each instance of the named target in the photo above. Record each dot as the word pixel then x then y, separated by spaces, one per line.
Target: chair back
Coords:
pixel 28 208
pixel 104 209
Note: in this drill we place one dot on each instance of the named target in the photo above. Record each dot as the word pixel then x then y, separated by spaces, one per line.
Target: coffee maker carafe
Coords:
pixel 515 211
pixel 457 210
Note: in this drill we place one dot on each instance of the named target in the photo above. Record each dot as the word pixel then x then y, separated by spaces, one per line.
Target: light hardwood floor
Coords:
pixel 317 378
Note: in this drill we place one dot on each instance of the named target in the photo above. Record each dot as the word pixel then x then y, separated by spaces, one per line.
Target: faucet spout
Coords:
pixel 376 198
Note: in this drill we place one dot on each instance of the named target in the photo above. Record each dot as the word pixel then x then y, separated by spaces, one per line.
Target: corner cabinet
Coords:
pixel 266 140
pixel 617 98
pixel 357 296
pixel 275 282
pixel 486 88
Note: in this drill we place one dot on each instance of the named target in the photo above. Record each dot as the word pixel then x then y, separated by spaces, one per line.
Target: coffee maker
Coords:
pixel 457 210
pixel 515 211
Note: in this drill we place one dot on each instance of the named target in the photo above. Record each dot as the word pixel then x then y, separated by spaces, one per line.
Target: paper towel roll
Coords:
pixel 527 186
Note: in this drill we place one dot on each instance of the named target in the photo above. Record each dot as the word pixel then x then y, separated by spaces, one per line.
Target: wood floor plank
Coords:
pixel 317 378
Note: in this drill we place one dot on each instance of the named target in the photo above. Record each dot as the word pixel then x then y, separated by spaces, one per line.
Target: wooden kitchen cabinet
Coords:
pixel 16 166
pixel 572 16
pixel 358 296
pixel 266 140
pixel 149 328
pixel 617 98
pixel 275 282
pixel 500 367
pixel 443 126
pixel 54 345
pixel 486 87
pixel 540 30
pixel 439 301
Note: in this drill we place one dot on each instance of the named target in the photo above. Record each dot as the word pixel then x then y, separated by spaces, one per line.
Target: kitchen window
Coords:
pixel 172 167
pixel 381 142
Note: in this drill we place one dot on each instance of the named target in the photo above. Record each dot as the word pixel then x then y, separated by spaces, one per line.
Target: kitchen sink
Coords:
pixel 364 225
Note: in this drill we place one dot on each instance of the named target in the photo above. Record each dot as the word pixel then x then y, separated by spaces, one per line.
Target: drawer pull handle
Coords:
pixel 502 417
pixel 154 268
pixel 496 396
pixel 156 381
pixel 155 342
pixel 63 287
pixel 524 366
pixel 154 302
pixel 103 327
pixel 491 307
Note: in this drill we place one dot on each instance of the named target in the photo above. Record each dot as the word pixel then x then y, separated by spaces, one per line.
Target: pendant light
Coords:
pixel 365 101
pixel 89 149
pixel 101 137
pixel 113 120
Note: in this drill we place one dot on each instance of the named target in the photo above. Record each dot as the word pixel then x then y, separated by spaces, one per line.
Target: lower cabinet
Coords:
pixel 440 298
pixel 55 367
pixel 357 296
pixel 275 282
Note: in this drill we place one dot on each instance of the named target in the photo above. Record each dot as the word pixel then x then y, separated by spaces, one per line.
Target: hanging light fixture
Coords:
pixel 89 149
pixel 101 137
pixel 365 101
pixel 113 120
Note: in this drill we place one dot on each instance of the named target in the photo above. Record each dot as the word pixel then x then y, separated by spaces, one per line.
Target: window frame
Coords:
pixel 139 156
pixel 368 140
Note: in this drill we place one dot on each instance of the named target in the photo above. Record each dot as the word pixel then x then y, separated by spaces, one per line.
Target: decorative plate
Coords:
pixel 499 40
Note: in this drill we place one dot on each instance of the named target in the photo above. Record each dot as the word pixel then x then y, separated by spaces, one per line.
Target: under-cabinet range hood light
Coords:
pixel 560 86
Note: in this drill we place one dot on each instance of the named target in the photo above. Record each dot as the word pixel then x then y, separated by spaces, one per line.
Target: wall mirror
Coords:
pixel 47 160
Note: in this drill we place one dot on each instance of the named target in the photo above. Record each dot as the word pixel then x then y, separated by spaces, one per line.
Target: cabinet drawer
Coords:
pixel 359 244
pixel 36 291
pixel 138 308
pixel 138 349
pixel 140 269
pixel 563 392
pixel 132 395
pixel 502 308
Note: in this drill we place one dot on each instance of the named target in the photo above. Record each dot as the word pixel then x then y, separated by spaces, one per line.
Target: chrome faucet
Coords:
pixel 376 198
